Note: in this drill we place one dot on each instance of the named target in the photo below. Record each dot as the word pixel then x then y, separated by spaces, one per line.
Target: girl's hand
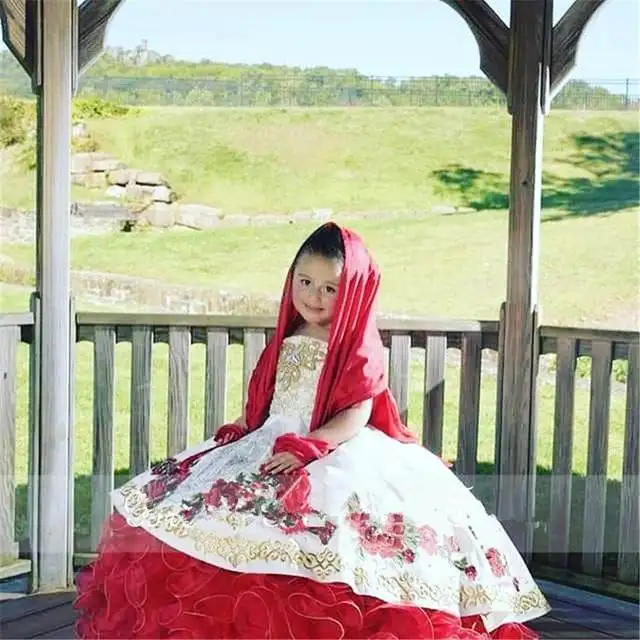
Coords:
pixel 229 433
pixel 283 462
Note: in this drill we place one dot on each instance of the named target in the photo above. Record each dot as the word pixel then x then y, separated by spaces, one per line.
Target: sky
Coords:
pixel 377 37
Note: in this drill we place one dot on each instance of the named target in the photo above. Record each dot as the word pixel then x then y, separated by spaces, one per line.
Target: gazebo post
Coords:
pixel 54 85
pixel 531 31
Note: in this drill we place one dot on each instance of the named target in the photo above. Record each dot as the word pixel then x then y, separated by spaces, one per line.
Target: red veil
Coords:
pixel 354 368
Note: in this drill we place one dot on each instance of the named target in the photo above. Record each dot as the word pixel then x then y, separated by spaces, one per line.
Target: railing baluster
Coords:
pixel 139 420
pixel 497 442
pixel 562 466
pixel 628 557
pixel 469 406
pixel 399 373
pixel 178 418
pixel 215 394
pixel 254 343
pixel 595 494
pixel 433 403
pixel 103 441
pixel 9 339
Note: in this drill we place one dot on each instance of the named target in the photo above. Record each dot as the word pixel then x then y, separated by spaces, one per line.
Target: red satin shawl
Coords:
pixel 354 367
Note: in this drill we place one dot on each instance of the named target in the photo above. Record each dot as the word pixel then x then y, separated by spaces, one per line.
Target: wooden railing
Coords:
pixel 608 517
pixel 420 360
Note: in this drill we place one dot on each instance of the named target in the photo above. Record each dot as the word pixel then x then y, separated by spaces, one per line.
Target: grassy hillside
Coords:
pixel 442 265
pixel 282 160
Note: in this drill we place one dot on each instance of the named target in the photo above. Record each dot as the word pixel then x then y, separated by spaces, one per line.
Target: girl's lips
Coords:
pixel 313 309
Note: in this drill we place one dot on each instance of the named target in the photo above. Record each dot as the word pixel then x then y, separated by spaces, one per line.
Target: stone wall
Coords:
pixel 98 170
pixel 148 293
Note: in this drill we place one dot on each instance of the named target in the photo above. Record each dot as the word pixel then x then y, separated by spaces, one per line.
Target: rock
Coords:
pixel 151 179
pixel 301 216
pixel 95 180
pixel 138 192
pixel 319 215
pixel 121 177
pixel 322 215
pixel 161 215
pixel 81 163
pixel 163 194
pixel 237 220
pixel 79 130
pixel 79 178
pixel 196 216
pixel 106 165
pixel 443 209
pixel 267 219
pixel 116 191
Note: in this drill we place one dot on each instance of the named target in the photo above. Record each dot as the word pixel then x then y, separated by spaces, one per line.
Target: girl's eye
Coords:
pixel 305 282
pixel 330 290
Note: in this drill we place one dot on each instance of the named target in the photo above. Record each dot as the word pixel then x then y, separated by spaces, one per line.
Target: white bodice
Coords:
pixel 299 367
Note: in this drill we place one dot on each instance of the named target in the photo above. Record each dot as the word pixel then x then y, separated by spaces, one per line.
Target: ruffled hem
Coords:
pixel 139 587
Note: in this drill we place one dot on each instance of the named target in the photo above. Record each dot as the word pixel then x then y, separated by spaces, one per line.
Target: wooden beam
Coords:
pixel 515 467
pixel 19 22
pixel 55 472
pixel 93 20
pixel 492 36
pixel 566 38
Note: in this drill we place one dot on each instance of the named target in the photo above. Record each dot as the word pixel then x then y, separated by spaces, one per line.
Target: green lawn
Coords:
pixel 440 265
pixel 364 159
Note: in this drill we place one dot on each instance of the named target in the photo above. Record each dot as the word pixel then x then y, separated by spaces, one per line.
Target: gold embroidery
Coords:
pixel 234 520
pixel 360 577
pixel 530 601
pixel 235 550
pixel 408 588
pixel 405 587
pixel 296 357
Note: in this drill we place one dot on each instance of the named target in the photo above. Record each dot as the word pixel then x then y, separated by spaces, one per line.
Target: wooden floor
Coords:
pixel 576 614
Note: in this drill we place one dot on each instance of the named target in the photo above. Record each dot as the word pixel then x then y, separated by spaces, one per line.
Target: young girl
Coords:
pixel 314 515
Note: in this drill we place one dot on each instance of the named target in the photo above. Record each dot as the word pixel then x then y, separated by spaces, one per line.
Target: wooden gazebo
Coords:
pixel 56 40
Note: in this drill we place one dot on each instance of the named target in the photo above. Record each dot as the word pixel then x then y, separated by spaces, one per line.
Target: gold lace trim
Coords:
pixel 295 357
pixel 237 550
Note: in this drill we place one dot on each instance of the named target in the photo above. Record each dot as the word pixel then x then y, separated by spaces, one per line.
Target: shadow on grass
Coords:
pixel 611 161
pixel 483 489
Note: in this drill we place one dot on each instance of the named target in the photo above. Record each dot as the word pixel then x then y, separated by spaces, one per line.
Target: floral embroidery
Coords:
pixel 281 499
pixel 169 474
pixel 496 562
pixel 400 539
pixel 468 569
pixel 396 537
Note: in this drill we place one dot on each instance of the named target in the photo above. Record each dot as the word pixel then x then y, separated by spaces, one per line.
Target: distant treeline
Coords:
pixel 143 77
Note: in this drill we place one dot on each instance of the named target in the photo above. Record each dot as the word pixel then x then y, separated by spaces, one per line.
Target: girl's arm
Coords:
pixel 345 425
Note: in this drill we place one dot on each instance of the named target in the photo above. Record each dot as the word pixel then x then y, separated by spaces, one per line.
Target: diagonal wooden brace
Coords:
pixel 566 38
pixel 492 36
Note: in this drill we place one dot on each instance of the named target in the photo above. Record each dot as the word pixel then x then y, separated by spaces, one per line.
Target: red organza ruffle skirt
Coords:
pixel 140 587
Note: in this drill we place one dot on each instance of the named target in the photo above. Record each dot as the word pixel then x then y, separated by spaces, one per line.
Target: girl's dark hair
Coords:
pixel 325 241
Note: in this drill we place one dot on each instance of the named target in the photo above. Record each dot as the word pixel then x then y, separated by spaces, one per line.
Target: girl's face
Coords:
pixel 315 288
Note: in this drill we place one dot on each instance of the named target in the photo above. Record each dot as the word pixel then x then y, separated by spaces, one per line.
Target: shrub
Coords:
pixel 95 107
pixel 17 120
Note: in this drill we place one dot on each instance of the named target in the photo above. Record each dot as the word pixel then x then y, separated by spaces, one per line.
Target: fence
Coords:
pixel 331 90
pixel 146 386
